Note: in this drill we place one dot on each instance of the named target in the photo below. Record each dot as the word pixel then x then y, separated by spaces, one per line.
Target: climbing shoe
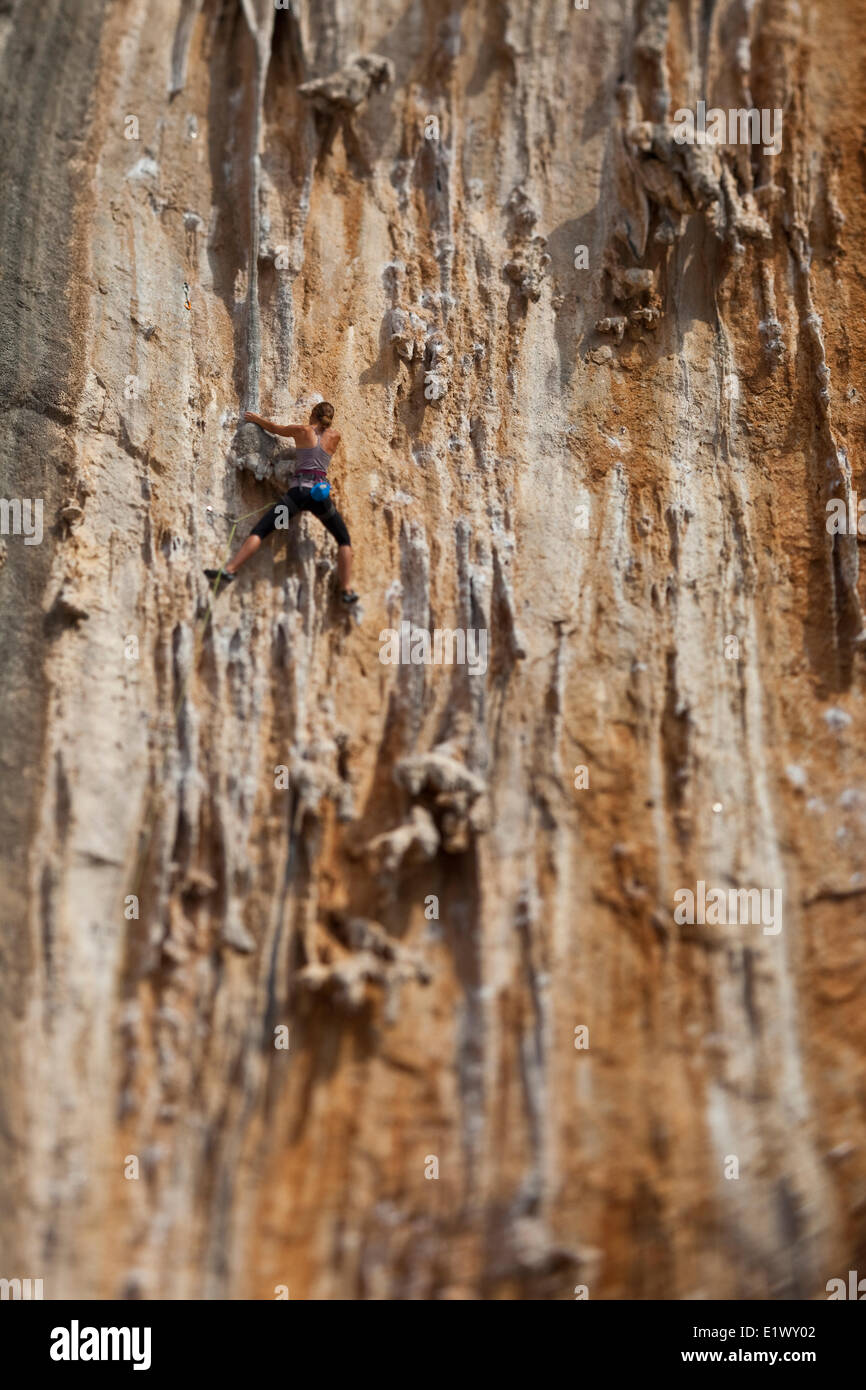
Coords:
pixel 220 574
pixel 348 596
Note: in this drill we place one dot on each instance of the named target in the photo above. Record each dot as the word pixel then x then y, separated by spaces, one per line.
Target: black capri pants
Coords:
pixel 298 499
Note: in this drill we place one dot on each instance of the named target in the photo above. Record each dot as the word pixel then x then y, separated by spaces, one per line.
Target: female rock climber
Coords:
pixel 316 444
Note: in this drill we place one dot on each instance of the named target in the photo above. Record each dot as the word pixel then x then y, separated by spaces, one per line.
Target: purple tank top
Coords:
pixel 311 466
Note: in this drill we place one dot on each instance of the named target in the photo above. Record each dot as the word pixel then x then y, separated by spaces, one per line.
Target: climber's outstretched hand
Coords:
pixel 287 431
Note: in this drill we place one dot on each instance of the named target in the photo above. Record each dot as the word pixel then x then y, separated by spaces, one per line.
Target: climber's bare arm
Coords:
pixel 287 431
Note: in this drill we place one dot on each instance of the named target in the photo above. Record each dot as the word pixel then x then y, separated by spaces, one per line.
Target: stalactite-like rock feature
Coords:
pixel 347 89
pixel 416 841
pixel 259 15
pixel 359 956
pixel 458 794
pixel 546 862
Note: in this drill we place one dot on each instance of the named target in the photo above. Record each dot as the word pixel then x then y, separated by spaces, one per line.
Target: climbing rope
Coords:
pixel 216 512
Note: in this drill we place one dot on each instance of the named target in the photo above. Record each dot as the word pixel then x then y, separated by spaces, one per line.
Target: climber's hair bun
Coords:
pixel 323 412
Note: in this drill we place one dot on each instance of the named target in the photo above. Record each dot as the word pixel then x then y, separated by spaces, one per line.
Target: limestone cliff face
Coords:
pixel 230 829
